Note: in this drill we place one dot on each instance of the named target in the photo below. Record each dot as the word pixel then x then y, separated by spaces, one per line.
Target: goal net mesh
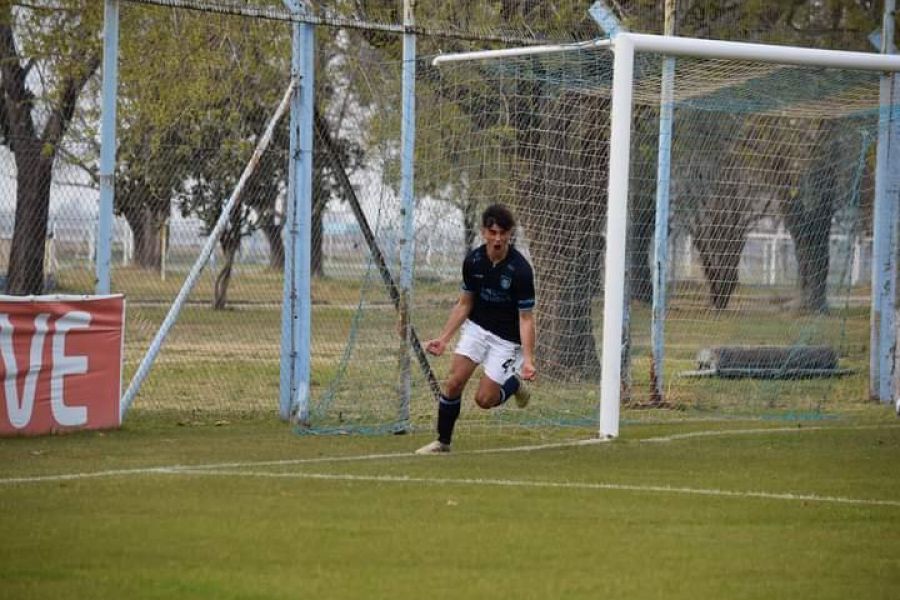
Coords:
pixel 767 257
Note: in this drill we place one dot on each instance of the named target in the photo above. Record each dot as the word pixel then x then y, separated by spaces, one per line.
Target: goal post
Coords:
pixel 620 180
pixel 625 45
pixel 770 173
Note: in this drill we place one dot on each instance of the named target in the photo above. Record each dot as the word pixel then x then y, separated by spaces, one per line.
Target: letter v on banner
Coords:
pixel 60 363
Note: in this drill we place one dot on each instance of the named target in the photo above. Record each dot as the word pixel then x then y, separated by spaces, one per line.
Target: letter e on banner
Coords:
pixel 60 363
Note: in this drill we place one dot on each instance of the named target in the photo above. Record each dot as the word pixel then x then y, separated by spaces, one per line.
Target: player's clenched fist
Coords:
pixel 435 347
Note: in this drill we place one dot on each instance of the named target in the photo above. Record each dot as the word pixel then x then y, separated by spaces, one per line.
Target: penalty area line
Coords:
pixel 519 483
pixel 166 469
pixel 759 430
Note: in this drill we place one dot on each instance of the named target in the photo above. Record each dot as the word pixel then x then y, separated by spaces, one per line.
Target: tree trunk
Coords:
pixel 272 230
pixel 566 242
pixel 147 250
pixel 145 222
pixel 811 245
pixel 642 202
pixel 34 151
pixel 317 257
pixel 808 219
pixel 719 198
pixel 720 258
pixel 230 242
pixel 223 278
pixel 26 257
pixel 641 234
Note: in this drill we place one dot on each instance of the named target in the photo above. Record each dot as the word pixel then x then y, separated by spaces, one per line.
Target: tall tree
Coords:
pixel 48 53
pixel 547 148
pixel 838 24
pixel 186 133
pixel 562 150
pixel 808 214
pixel 719 196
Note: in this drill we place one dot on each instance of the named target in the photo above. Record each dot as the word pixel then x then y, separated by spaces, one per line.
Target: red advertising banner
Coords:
pixel 60 363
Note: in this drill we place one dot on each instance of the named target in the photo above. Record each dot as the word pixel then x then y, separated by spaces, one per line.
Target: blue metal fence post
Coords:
pixel 884 243
pixel 103 258
pixel 297 304
pixel 605 18
pixel 661 229
pixel 407 210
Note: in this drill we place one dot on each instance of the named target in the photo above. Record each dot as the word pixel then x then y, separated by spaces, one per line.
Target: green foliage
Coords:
pixel 55 38
pixel 837 24
pixel 196 89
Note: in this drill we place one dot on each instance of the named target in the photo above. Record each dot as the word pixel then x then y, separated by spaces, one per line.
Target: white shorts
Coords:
pixel 499 357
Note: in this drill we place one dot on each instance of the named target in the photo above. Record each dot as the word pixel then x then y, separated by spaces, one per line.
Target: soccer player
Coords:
pixel 495 311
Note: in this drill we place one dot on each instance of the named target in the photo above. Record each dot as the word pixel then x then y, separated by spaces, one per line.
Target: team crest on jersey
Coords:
pixel 505 282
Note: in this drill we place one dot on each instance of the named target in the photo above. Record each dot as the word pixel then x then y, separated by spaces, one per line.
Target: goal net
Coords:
pixel 761 300
pixel 196 91
pixel 197 88
pixel 762 264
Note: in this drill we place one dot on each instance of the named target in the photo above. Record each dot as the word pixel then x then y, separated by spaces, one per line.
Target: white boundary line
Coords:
pixel 440 481
pixel 758 430
pixel 276 463
pixel 519 483
pixel 231 469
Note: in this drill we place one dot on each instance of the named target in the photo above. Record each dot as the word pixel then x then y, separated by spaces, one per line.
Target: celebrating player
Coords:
pixel 495 310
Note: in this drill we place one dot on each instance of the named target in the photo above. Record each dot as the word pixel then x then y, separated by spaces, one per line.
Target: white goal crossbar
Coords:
pixel 625 45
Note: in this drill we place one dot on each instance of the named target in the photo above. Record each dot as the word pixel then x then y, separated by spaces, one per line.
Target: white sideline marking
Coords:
pixel 546 484
pixel 91 475
pixel 723 432
pixel 277 463
pixel 175 469
pixel 212 471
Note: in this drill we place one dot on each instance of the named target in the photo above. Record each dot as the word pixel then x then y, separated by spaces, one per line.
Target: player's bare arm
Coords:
pixel 527 331
pixel 458 315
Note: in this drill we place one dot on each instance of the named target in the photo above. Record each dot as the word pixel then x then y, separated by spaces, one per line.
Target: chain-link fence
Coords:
pixel 198 81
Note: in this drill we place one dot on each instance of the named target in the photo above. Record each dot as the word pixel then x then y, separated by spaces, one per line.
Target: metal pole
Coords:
pixel 513 52
pixel 682 46
pixel 767 53
pixel 296 305
pixel 661 232
pixel 616 224
pixel 288 304
pixel 107 146
pixel 609 23
pixel 407 210
pixel 303 266
pixel 604 16
pixel 882 335
pixel 892 190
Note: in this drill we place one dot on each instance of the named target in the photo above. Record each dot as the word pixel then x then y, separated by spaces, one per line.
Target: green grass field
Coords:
pixel 750 489
pixel 249 509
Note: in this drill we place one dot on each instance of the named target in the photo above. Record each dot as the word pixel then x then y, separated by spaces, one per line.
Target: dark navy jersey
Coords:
pixel 500 291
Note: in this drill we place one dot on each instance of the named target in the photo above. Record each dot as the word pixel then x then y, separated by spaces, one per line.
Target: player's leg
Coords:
pixel 500 381
pixel 449 404
pixel 489 393
pixel 461 369
pixel 468 354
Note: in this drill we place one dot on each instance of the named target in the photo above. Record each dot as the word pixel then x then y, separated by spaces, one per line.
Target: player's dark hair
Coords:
pixel 499 215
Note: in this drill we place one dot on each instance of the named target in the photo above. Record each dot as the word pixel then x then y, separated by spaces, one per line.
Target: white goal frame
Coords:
pixel 625 45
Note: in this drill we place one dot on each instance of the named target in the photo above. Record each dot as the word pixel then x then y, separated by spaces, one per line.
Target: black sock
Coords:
pixel 509 387
pixel 448 412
